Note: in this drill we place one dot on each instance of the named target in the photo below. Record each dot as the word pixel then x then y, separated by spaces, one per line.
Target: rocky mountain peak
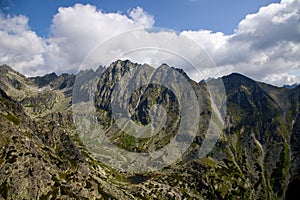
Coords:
pixel 10 78
pixel 122 66
pixel 4 69
pixel 42 81
pixel 43 157
pixel 291 86
pixel 235 80
pixel 54 81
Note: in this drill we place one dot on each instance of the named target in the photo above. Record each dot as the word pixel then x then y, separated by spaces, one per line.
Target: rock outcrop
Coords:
pixel 42 155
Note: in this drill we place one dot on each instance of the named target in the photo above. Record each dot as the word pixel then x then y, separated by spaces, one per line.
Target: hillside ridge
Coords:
pixel 44 156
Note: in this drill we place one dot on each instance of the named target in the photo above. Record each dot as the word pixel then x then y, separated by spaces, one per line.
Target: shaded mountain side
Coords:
pixel 140 99
pixel 38 95
pixel 55 82
pixel 258 135
pixel 294 114
pixel 44 159
pixel 42 156
pixel 265 116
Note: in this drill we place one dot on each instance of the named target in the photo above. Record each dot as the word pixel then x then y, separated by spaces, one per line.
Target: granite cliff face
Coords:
pixel 43 156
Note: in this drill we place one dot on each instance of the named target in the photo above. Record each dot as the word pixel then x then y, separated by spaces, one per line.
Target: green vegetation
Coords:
pixel 12 118
pixel 40 143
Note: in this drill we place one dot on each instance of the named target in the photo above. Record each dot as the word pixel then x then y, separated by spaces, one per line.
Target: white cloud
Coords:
pixel 141 17
pixel 77 30
pixel 19 46
pixel 153 47
pixel 264 46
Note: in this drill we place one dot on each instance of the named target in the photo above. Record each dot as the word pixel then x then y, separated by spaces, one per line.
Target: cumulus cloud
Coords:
pixel 154 47
pixel 75 31
pixel 265 45
pixel 19 46
pixel 79 29
pixel 141 17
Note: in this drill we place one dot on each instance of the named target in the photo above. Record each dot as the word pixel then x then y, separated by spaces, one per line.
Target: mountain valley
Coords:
pixel 43 155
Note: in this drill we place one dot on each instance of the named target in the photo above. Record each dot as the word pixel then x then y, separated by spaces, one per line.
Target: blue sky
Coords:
pixel 258 38
pixel 215 15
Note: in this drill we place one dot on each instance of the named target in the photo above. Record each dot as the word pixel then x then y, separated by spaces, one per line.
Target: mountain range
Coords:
pixel 44 156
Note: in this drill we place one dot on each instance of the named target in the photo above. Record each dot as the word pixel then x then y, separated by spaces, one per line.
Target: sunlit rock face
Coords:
pixel 43 156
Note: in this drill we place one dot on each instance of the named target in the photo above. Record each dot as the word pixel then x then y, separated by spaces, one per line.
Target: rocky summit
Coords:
pixel 44 155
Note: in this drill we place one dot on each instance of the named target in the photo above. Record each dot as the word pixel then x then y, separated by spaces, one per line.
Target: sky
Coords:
pixel 258 38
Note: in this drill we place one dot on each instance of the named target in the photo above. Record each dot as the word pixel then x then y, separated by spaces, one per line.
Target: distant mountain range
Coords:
pixel 291 86
pixel 43 156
